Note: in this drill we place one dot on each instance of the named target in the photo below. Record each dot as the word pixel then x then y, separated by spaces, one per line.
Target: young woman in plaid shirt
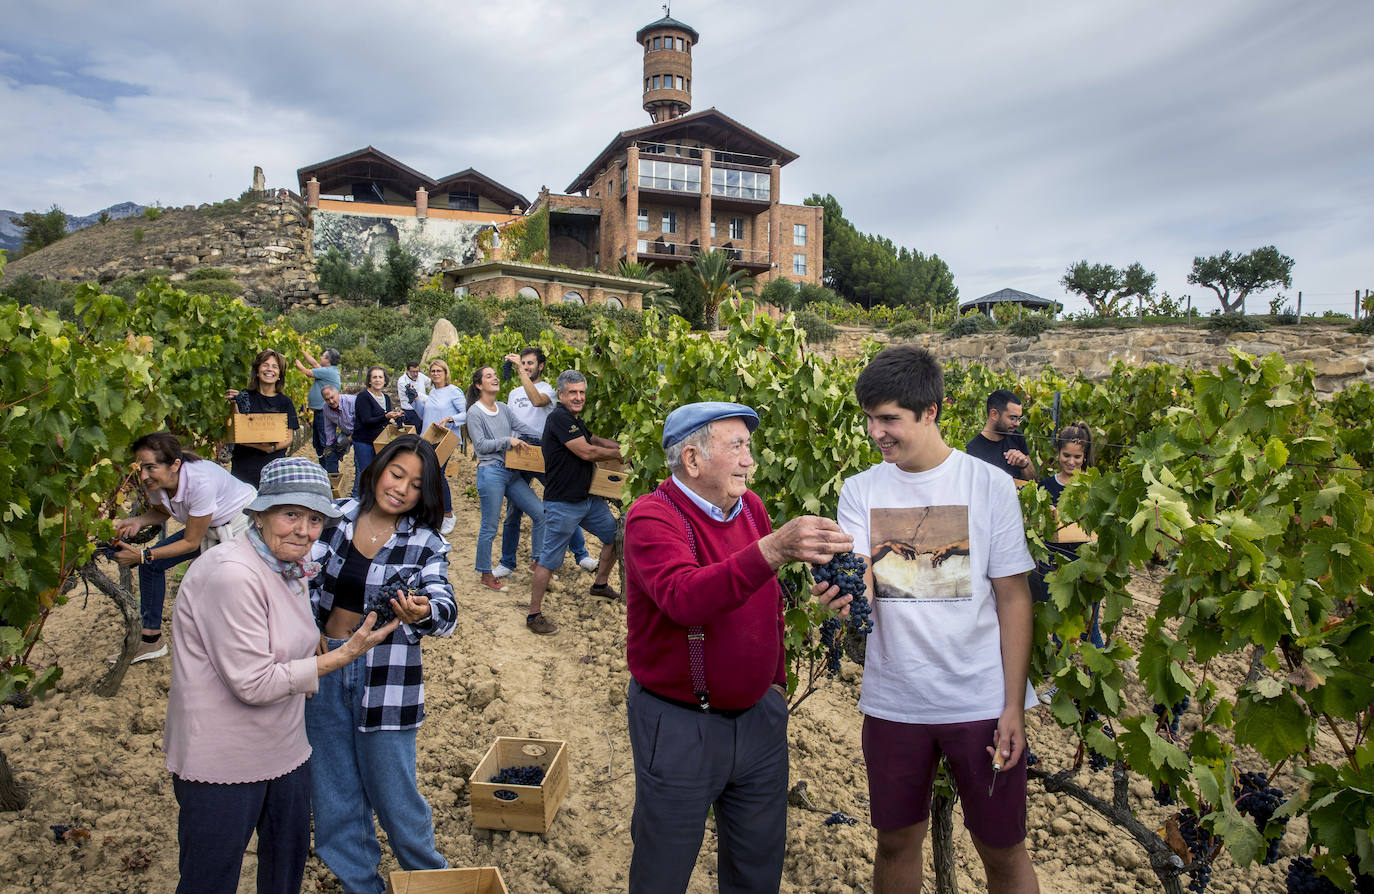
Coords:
pixel 384 552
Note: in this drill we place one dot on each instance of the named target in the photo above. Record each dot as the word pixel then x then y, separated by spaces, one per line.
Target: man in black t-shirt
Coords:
pixel 998 443
pixel 571 453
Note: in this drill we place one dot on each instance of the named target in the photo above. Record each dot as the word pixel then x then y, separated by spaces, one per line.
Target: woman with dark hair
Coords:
pixel 491 427
pixel 371 414
pixel 204 498
pixel 383 555
pixel 444 406
pixel 245 662
pixel 263 395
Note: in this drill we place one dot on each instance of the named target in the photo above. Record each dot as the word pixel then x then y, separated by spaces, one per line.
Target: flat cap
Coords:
pixel 687 419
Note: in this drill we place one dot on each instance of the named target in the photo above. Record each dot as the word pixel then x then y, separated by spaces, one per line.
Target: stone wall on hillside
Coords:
pixel 266 245
pixel 1338 357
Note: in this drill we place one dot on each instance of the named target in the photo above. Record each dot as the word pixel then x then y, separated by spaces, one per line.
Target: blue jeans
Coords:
pixel 152 582
pixel 448 491
pixel 563 520
pixel 510 534
pixel 362 458
pixel 495 482
pixel 355 773
pixel 216 823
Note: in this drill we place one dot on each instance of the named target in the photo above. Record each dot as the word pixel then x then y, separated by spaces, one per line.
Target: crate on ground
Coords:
pixel 607 481
pixel 480 880
pixel 258 428
pixel 390 433
pixel 444 441
pixel 534 806
pixel 337 486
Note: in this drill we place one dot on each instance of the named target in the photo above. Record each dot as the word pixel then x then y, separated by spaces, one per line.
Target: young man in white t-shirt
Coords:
pixel 530 404
pixel 418 382
pixel 946 664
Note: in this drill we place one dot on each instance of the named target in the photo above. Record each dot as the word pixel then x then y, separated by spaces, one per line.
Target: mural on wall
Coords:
pixel 366 236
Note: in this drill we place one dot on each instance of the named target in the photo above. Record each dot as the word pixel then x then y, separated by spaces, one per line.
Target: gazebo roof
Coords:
pixel 1009 296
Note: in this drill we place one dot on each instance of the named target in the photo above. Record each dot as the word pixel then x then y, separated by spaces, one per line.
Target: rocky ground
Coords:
pixel 95 763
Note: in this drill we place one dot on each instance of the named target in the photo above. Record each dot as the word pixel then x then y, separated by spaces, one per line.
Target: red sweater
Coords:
pixel 729 589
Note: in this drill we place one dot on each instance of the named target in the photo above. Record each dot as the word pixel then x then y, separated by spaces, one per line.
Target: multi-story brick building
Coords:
pixel 686 183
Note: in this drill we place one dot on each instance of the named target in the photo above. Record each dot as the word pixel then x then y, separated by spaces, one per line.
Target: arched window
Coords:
pixel 528 292
pixel 612 301
pixel 572 298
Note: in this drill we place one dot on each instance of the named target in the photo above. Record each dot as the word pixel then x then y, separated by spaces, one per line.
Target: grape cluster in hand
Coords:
pixel 242 403
pixel 846 571
pixel 1303 878
pixel 1256 798
pixel 531 775
pixel 1200 842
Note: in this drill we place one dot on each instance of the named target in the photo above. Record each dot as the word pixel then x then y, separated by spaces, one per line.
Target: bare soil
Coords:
pixel 96 764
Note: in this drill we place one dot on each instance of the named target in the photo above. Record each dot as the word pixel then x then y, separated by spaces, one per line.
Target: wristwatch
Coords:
pixel 147 556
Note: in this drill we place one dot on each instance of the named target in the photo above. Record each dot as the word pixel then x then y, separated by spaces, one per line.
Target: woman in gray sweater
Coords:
pixel 489 426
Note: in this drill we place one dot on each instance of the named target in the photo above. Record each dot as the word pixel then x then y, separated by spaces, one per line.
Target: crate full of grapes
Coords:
pixel 482 880
pixel 519 784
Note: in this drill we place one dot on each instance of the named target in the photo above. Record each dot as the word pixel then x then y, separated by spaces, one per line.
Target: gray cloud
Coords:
pixel 1011 140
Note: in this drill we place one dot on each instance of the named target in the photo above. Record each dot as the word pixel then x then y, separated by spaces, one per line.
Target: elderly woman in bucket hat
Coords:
pixel 244 662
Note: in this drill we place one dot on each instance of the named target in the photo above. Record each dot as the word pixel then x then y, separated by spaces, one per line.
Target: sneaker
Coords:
pixel 501 571
pixel 146 652
pixel 603 591
pixel 541 625
pixel 1048 695
pixel 587 563
pixel 491 583
pixel 448 524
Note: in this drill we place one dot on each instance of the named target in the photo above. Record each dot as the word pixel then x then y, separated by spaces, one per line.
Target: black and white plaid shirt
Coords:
pixel 415 557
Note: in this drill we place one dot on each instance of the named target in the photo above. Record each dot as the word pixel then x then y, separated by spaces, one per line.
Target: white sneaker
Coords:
pixel 448 524
pixel 588 564
pixel 500 571
pixel 1048 695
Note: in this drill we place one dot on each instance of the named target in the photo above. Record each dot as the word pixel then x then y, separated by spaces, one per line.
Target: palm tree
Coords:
pixel 660 297
pixel 720 281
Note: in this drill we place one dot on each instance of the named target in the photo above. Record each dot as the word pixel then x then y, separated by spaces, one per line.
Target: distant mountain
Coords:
pixel 11 236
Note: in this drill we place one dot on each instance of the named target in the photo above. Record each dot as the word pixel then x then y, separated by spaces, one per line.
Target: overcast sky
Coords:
pixel 1009 138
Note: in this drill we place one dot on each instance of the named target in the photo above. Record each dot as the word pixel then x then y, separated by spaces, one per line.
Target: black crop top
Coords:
pixel 351 585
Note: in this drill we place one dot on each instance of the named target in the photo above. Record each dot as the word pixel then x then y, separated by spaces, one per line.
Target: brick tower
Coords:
pixel 667 67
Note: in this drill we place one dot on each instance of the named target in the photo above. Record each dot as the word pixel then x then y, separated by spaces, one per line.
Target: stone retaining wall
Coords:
pixel 1338 357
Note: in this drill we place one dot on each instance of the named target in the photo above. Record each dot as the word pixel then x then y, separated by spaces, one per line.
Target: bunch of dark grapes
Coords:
pixel 241 402
pixel 830 639
pixel 1097 762
pixel 839 818
pixel 1168 717
pixel 1200 842
pixel 1256 798
pixel 531 775
pixel 1164 795
pixel 380 602
pixel 846 571
pixel 1032 759
pixel 1303 878
pixel 107 549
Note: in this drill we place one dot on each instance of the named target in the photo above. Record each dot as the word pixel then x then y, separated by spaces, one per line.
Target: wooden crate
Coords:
pixel 390 433
pixel 337 486
pixel 607 481
pixel 482 880
pixel 258 428
pixel 444 441
pixel 534 806
pixel 1072 533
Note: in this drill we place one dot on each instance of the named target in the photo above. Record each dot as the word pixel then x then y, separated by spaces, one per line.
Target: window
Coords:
pixel 679 82
pixel 572 298
pixel 713 226
pixel 670 221
pixel 462 201
pixel 798 234
pixel 646 85
pixel 642 246
pixel 799 265
pixel 689 85
pixel 643 220
pixel 736 228
pixel 527 292
pixel 612 301
pixel 646 44
pixel 655 82
pixel 740 184
pixel 675 176
pixel 680 45
pixel 658 43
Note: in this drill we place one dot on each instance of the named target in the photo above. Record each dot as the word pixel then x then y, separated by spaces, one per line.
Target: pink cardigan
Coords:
pixel 242 664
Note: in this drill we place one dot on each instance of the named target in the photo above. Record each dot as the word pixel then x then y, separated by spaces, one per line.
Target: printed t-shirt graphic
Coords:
pixel 921 553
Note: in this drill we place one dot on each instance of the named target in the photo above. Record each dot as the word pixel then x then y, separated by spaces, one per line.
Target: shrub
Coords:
pixel 227 287
pixel 527 320
pixel 816 328
pixel 971 324
pixel 359 357
pixel 152 213
pixel 688 294
pixel 403 347
pixel 48 294
pixel 906 329
pixel 781 292
pixel 138 235
pixel 201 273
pixel 1030 326
pixel 1288 318
pixel 1234 323
pixel 1363 327
pixel 570 315
pixel 469 319
pixel 631 322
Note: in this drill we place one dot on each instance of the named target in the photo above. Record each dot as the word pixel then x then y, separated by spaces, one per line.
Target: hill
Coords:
pixel 12 236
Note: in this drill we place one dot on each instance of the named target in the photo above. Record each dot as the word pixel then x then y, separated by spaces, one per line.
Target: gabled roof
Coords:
pixel 366 163
pixel 716 129
pixel 668 22
pixel 497 192
pixel 1009 296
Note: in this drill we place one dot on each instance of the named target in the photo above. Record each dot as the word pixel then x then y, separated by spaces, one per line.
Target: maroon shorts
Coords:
pixel 902 757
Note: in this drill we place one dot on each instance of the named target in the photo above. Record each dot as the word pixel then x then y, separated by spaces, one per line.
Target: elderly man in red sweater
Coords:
pixel 708 700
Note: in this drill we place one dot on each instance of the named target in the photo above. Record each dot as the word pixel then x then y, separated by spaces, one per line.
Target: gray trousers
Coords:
pixel 687 761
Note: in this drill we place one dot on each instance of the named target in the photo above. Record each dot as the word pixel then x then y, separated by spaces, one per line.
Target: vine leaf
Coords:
pixel 1275 727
